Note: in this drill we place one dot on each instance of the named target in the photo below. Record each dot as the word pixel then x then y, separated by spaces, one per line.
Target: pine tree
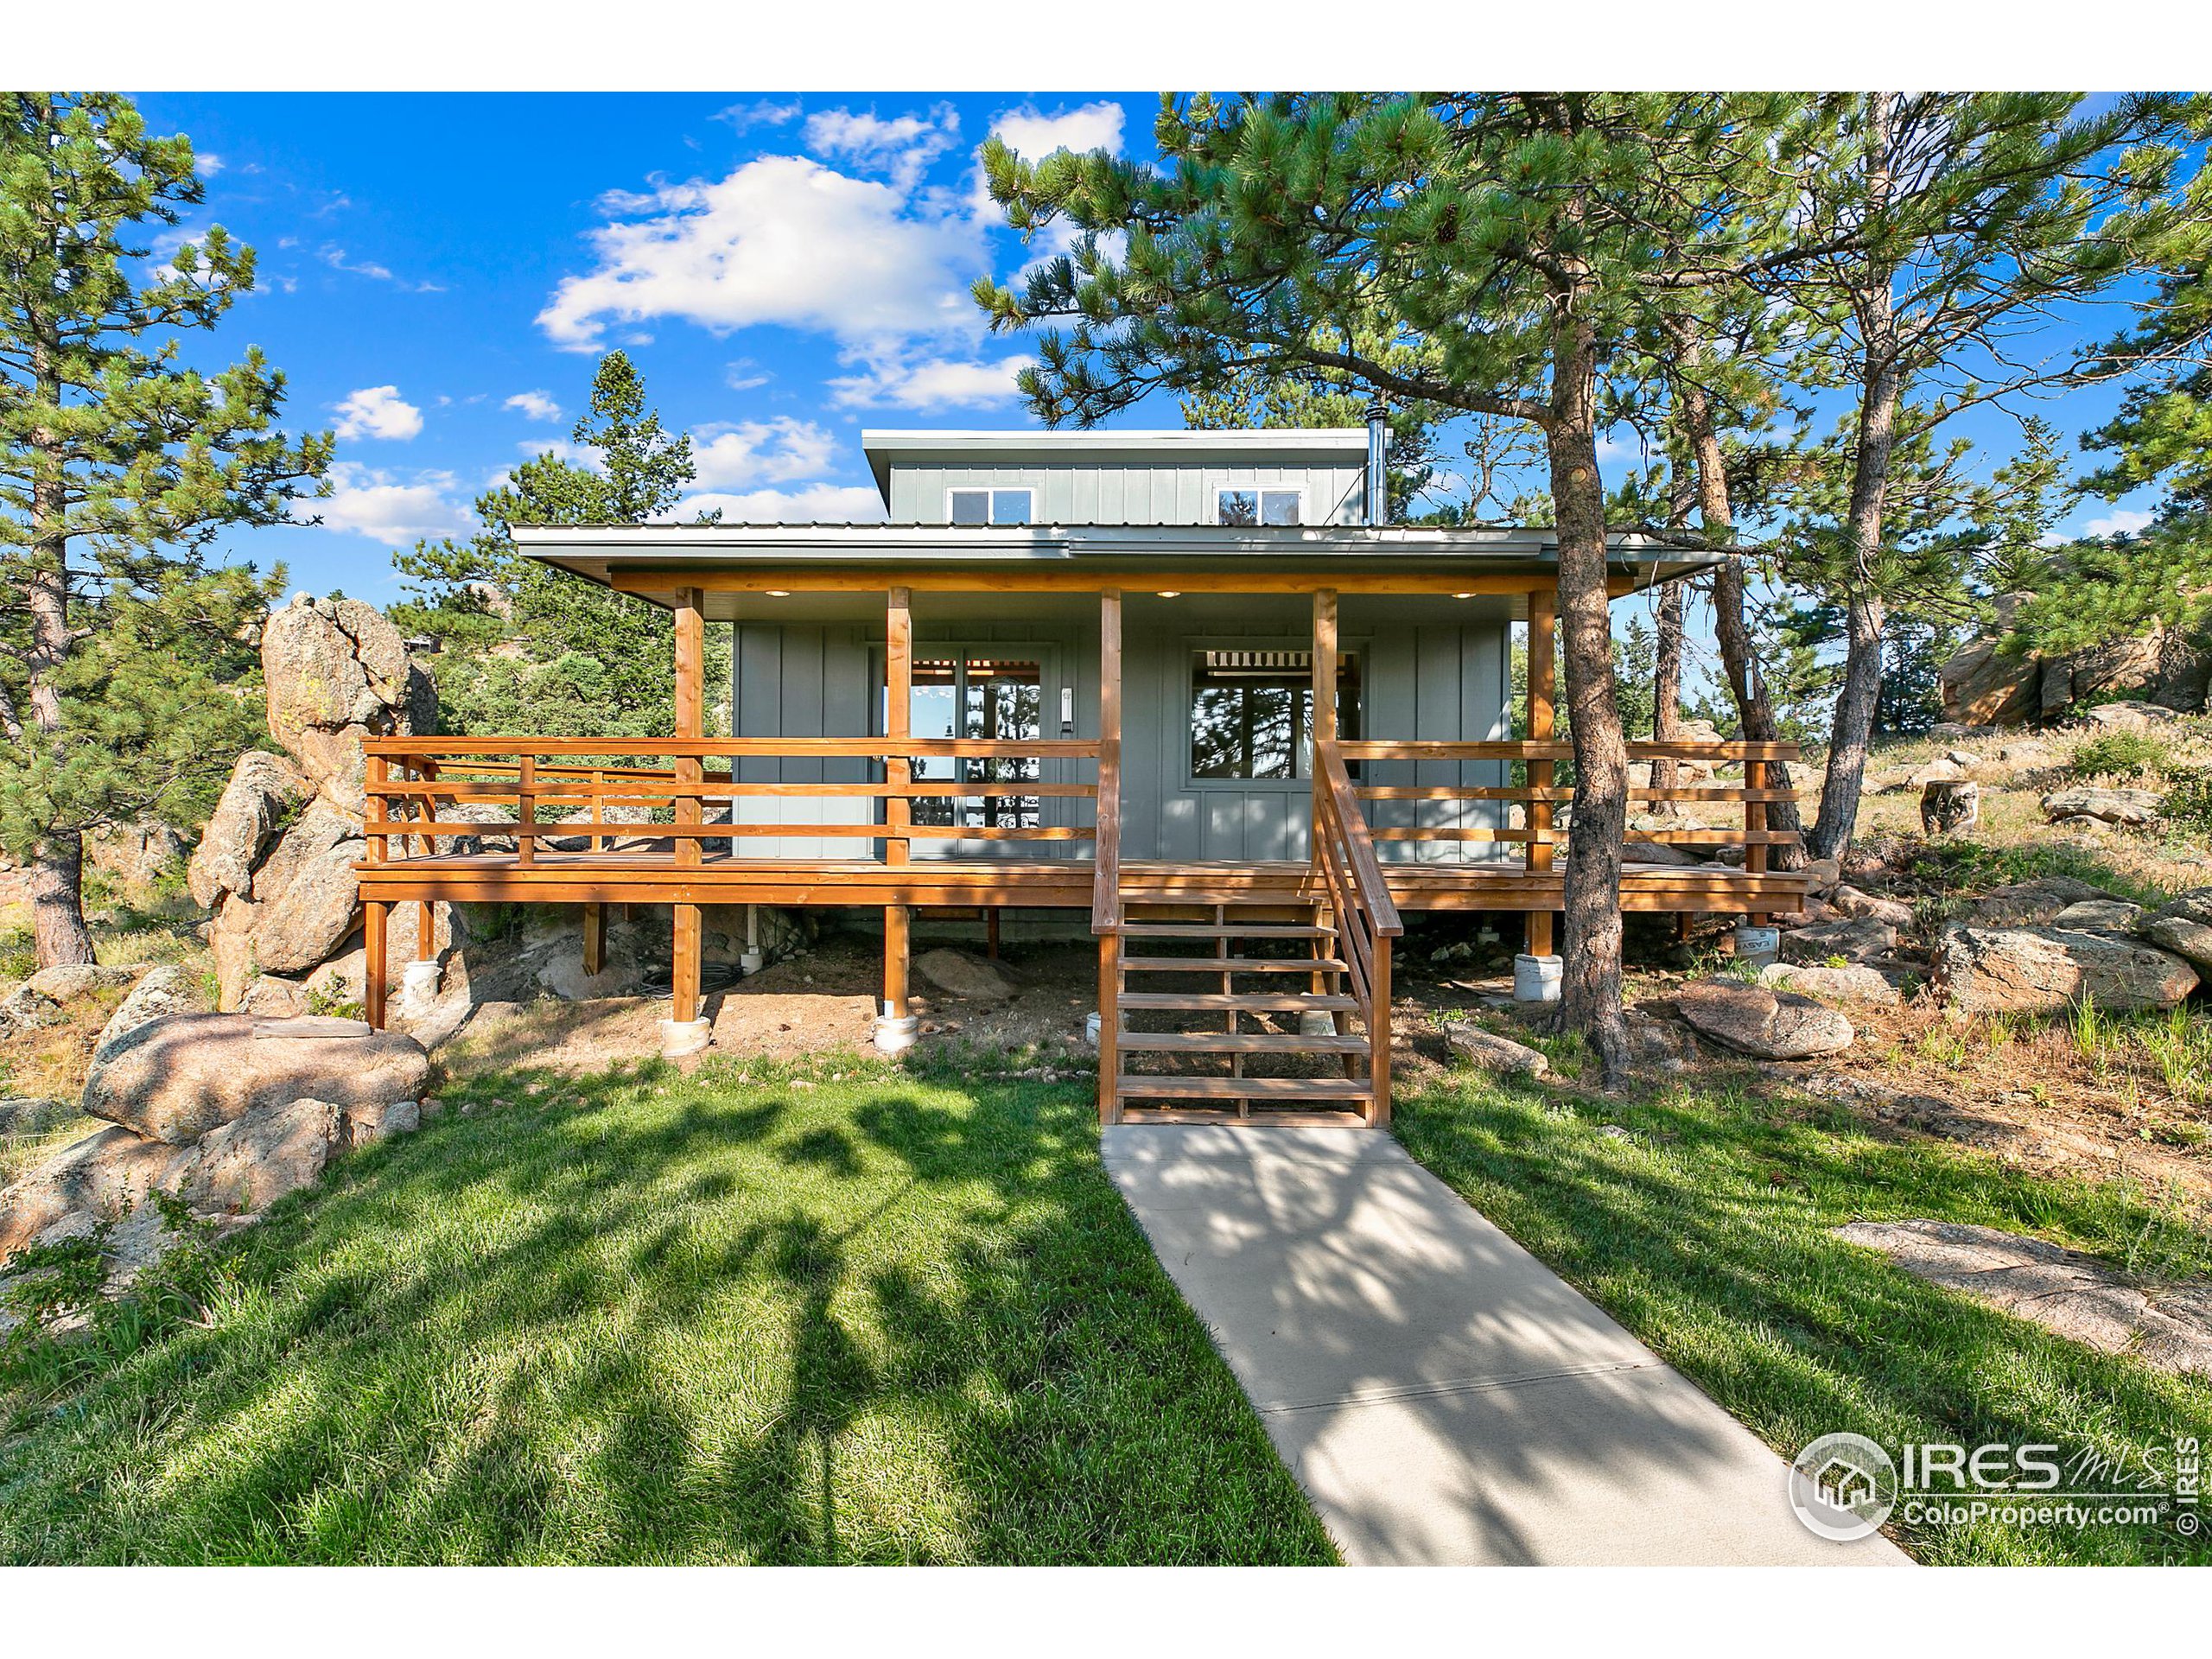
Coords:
pixel 118 464
pixel 528 647
pixel 1960 220
pixel 1483 252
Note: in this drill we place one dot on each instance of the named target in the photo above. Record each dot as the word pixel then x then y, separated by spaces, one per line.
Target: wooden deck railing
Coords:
pixel 1366 916
pixel 577 780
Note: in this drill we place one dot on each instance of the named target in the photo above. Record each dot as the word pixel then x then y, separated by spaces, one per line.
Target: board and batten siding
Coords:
pixel 1423 679
pixel 1093 490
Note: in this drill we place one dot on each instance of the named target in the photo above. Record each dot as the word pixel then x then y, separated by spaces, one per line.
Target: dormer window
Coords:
pixel 991 506
pixel 1250 504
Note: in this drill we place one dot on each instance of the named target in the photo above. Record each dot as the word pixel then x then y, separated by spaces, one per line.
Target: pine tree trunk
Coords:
pixel 57 905
pixel 1590 997
pixel 1881 385
pixel 1754 709
pixel 57 876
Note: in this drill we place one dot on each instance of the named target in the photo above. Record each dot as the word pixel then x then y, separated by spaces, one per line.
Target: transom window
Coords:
pixel 1252 712
pixel 1242 504
pixel 991 506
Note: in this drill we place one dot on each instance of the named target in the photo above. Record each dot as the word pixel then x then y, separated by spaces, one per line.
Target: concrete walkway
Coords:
pixel 1442 1395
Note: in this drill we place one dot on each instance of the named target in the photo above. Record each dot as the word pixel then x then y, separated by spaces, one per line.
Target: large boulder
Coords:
pixel 2031 904
pixel 176 1078
pixel 2099 916
pixel 2131 807
pixel 1847 900
pixel 165 990
pixel 963 975
pixel 2182 925
pixel 1758 1020
pixel 264 788
pixel 300 908
pixel 135 854
pixel 257 1157
pixel 2049 969
pixel 102 1174
pixel 44 998
pixel 1987 685
pixel 1855 983
pixel 1851 938
pixel 1488 1051
pixel 337 671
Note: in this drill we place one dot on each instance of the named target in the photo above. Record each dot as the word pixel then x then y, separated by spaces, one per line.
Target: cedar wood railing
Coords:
pixel 1366 916
pixel 412 778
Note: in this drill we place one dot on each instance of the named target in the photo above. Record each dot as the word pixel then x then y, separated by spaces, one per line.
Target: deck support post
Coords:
pixel 685 1032
pixel 1543 605
pixel 594 938
pixel 898 721
pixel 374 913
pixel 896 1028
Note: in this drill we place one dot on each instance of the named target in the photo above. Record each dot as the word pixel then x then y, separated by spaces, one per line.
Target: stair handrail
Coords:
pixel 1350 825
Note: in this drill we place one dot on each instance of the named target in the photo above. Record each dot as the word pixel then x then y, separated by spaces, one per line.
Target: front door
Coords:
pixel 979 694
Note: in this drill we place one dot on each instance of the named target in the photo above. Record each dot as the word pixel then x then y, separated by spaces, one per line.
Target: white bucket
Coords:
pixel 682 1037
pixel 418 988
pixel 1536 979
pixel 1092 1025
pixel 1758 945
pixel 896 1036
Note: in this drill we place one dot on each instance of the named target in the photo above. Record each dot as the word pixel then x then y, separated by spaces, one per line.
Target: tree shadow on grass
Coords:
pixel 1711 1237
pixel 643 1317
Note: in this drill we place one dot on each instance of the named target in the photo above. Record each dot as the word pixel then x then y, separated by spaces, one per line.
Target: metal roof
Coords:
pixel 595 551
pixel 1042 448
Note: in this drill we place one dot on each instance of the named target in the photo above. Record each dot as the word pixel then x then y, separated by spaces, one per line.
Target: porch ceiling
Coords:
pixel 656 561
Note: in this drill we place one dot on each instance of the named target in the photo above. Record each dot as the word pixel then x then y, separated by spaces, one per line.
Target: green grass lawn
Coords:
pixel 644 1318
pixel 1708 1235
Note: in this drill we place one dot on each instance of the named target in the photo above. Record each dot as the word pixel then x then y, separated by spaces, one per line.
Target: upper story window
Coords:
pixel 1251 505
pixel 991 506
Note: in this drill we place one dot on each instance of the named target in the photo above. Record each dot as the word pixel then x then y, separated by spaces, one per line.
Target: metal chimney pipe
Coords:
pixel 1378 477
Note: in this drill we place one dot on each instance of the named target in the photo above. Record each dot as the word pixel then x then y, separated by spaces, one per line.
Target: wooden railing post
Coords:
pixel 899 724
pixel 1542 610
pixel 526 809
pixel 1755 821
pixel 373 916
pixel 690 714
pixel 380 782
pixel 1109 1049
pixel 1106 857
pixel 1324 688
pixel 1378 1035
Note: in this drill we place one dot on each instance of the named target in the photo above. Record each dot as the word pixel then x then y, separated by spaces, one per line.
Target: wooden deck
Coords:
pixel 647 873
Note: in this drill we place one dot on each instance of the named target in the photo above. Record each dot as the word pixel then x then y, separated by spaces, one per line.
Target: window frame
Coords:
pixel 990 492
pixel 1298 783
pixel 1262 492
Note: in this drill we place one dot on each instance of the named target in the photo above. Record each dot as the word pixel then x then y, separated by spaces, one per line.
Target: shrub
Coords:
pixel 2122 755
pixel 2188 802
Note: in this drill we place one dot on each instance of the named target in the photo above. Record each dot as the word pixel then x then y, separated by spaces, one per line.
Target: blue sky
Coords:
pixel 440 272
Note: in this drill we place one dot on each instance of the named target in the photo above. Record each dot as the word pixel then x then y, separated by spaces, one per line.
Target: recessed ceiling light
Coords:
pixel 1463 595
pixel 1171 593
pixel 778 593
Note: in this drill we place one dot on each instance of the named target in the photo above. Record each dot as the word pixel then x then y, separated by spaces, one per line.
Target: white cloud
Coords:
pixel 744 374
pixel 377 412
pixel 368 501
pixel 935 383
pixel 337 259
pixel 1033 135
pixel 782 240
pixel 737 453
pixel 208 162
pixel 2124 521
pixel 762 112
pixel 812 503
pixel 903 147
pixel 537 405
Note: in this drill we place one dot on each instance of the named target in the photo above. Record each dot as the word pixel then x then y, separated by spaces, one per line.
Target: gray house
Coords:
pixel 1188 682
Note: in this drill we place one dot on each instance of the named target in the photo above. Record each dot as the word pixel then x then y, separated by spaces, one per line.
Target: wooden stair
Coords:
pixel 1248 1047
